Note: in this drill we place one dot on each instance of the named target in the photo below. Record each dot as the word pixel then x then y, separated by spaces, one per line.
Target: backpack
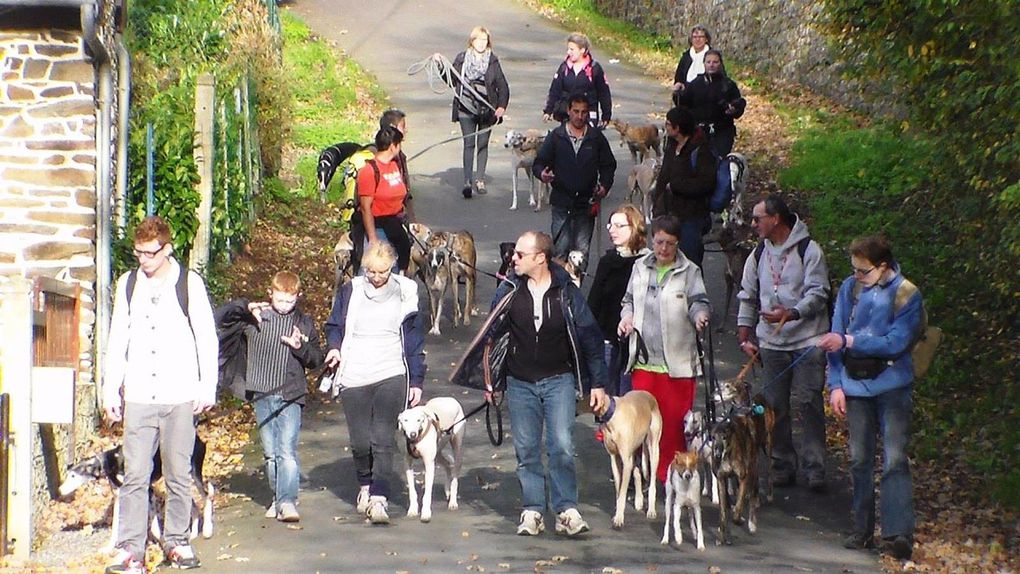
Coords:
pixel 802 247
pixel 181 287
pixel 922 349
pixel 722 195
pixel 349 182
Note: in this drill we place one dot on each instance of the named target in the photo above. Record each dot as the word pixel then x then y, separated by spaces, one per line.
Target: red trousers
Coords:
pixel 675 397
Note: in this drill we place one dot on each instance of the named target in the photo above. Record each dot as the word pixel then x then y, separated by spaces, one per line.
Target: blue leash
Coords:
pixel 788 367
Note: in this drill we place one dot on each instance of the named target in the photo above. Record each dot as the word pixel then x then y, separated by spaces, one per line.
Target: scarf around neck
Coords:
pixel 475 65
pixel 697 63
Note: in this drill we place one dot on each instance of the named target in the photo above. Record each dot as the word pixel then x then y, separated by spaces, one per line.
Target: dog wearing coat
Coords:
pixel 427 429
pixel 632 425
pixel 683 490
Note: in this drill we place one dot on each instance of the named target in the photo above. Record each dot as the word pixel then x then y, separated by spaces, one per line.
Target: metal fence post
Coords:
pixel 5 433
pixel 149 169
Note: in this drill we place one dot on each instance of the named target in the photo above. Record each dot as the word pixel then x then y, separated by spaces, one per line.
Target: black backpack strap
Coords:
pixel 129 289
pixel 182 293
pixel 802 246
pixel 758 250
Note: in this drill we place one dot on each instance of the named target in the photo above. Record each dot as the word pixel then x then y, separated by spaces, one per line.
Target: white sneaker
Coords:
pixel 362 506
pixel 377 510
pixel 569 522
pixel 125 563
pixel 271 511
pixel 288 512
pixel 531 523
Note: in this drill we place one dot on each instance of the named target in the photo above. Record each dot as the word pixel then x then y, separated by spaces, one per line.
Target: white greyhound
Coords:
pixel 427 428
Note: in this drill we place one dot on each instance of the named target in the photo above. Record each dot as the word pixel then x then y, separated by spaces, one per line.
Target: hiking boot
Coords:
pixel 466 191
pixel 569 522
pixel 183 557
pixel 271 511
pixel 480 187
pixel 377 510
pixel 899 547
pixel 531 523
pixel 125 562
pixel 288 512
pixel 859 541
pixel 362 506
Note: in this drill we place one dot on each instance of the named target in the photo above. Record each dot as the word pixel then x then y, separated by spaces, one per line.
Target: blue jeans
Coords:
pixel 888 413
pixel 691 242
pixel 279 436
pixel 549 403
pixel 571 230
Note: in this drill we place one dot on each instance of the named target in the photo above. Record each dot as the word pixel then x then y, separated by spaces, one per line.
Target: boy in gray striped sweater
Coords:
pixel 281 344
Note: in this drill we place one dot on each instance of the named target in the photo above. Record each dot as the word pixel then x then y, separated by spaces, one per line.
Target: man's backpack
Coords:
pixel 722 194
pixel 802 247
pixel 928 337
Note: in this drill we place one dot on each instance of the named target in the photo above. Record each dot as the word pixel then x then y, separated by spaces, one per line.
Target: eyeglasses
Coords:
pixel 139 253
pixel 522 254
pixel 863 272
pixel 663 243
pixel 612 225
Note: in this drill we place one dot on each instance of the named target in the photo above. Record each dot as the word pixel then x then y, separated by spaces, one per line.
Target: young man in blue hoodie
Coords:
pixel 877 320
pixel 785 292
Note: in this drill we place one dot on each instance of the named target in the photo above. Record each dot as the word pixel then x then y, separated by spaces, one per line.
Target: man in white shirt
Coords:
pixel 162 356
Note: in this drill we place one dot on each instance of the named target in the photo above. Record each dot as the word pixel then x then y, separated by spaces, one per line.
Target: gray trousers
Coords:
pixel 171 428
pixel 371 413
pixel 796 394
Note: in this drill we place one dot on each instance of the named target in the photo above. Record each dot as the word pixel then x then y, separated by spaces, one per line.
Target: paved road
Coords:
pixel 800 532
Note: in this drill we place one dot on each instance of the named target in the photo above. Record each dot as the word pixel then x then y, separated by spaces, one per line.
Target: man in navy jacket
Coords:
pixel 577 161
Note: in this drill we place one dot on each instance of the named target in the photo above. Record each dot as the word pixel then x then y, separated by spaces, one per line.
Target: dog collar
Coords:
pixel 609 412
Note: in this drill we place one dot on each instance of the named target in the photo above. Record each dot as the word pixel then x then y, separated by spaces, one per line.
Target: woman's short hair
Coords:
pixel 286 282
pixel 378 254
pixel 875 248
pixel 581 41
pixel 683 120
pixel 668 224
pixel 699 28
pixel 152 227
pixel 637 226
pixel 387 136
pixel 476 33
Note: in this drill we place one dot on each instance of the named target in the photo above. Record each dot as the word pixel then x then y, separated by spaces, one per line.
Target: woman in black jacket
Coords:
pixel 479 67
pixel 627 232
pixel 686 181
pixel 579 73
pixel 715 101
pixel 692 63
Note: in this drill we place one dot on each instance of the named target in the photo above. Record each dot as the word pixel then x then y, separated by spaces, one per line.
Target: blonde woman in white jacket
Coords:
pixel 663 310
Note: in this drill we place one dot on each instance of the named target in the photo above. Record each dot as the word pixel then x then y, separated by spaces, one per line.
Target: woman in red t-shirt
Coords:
pixel 381 194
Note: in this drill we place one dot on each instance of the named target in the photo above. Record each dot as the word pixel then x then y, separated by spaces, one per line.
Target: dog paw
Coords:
pixel 752 527
pixel 531 201
pixel 426 517
pixel 651 514
pixel 412 512
pixel 665 540
pixel 617 522
pixel 452 505
pixel 513 208
pixel 434 331
pixel 467 320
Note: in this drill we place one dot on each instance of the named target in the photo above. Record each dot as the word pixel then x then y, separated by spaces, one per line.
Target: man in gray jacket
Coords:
pixel 785 292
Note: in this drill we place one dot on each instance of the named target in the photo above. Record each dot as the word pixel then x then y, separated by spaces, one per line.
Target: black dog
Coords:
pixel 330 159
pixel 506 257
pixel 110 465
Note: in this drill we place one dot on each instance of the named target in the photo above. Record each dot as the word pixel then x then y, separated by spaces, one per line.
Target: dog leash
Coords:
pixel 453 139
pixel 711 379
pixel 425 248
pixel 495 436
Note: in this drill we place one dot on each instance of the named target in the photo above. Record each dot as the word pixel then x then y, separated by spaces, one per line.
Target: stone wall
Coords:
pixel 779 39
pixel 48 193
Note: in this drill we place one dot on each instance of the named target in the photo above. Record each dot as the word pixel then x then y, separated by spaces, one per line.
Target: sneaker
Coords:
pixel 377 510
pixel 531 523
pixel 480 187
pixel 271 511
pixel 288 512
pixel 125 563
pixel 466 191
pixel 569 522
pixel 859 541
pixel 183 557
pixel 899 547
pixel 362 506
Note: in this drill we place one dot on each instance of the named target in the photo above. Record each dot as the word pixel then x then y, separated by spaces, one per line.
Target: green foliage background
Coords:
pixel 943 185
pixel 172 43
